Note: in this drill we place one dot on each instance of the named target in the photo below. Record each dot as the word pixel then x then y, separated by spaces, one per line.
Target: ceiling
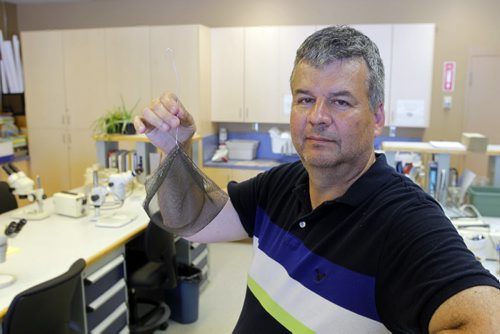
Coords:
pixel 29 2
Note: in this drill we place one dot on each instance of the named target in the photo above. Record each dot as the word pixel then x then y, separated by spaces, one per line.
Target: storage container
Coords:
pixel 241 149
pixel 486 200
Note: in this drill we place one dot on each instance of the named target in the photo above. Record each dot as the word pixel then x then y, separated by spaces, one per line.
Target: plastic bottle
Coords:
pixel 222 136
pixel 433 174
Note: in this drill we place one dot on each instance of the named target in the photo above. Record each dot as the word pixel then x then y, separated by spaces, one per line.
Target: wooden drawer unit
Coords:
pixel 105 295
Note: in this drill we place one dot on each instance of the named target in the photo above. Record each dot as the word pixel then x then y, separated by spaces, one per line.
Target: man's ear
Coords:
pixel 379 117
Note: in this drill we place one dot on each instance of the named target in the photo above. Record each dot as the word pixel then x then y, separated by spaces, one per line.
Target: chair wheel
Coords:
pixel 164 326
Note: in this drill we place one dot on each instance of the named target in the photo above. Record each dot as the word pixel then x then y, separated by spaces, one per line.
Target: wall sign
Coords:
pixel 449 70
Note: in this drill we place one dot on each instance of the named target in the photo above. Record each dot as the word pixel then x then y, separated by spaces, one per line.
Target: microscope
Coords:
pixel 24 188
pixel 11 231
pixel 116 186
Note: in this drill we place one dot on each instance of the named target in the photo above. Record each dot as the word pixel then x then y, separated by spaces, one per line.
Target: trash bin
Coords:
pixel 183 300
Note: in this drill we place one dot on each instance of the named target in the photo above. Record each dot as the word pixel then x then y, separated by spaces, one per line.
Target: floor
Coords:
pixel 222 298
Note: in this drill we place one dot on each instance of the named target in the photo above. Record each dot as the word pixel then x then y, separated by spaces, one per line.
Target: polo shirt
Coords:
pixel 381 258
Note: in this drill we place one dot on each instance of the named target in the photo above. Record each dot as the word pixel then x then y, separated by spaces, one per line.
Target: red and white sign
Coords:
pixel 449 70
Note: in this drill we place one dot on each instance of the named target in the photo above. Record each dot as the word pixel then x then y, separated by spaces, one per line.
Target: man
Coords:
pixel 342 243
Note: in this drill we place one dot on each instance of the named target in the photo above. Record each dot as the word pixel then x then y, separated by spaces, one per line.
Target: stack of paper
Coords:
pixel 10 66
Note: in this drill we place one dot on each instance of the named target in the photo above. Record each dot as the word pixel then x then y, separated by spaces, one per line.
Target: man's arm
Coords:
pixel 225 227
pixel 166 121
pixel 474 310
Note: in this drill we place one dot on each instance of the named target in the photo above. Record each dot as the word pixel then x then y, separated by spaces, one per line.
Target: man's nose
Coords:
pixel 319 113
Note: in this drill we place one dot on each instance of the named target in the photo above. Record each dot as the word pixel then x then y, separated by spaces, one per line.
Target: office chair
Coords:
pixel 46 307
pixel 147 285
pixel 7 199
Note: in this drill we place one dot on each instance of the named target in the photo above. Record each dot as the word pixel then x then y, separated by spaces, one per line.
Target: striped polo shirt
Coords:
pixel 368 262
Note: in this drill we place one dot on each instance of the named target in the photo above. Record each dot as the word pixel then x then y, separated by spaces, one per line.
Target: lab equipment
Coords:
pixel 117 187
pixel 70 204
pixel 118 182
pixel 24 188
pixel 11 231
pixel 281 142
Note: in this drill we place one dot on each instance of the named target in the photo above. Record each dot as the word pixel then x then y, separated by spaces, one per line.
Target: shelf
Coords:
pixel 424 147
pixel 493 150
pixel 122 138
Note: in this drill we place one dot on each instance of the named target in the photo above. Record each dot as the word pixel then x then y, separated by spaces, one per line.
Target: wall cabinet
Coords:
pixel 411 75
pixel 227 74
pixel 74 76
pixel 251 69
pixel 63 98
pixel 245 74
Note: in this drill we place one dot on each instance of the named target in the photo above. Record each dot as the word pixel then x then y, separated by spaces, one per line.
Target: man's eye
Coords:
pixel 341 103
pixel 305 100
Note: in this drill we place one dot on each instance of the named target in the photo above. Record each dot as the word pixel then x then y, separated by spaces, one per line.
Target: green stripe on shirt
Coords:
pixel 276 311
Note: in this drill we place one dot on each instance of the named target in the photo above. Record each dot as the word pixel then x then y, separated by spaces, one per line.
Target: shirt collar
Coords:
pixel 374 178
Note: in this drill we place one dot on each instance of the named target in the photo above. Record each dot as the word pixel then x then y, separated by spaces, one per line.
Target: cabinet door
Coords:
pixel 175 64
pixel 381 34
pixel 49 158
pixel 128 69
pixel 411 74
pixel 227 74
pixel 290 38
pixel 85 76
pixel 262 98
pixel 81 155
pixel 44 79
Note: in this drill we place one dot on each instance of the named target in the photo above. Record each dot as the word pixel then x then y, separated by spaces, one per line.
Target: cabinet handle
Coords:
pixel 98 274
pixel 68 119
pixel 246 113
pixel 240 113
pixel 63 119
pixel 99 301
pixel 115 315
pixel 69 138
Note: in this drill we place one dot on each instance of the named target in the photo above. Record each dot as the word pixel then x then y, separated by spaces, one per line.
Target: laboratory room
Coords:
pixel 129 130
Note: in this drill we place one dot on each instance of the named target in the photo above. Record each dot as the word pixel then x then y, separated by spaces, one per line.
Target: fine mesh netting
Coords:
pixel 180 198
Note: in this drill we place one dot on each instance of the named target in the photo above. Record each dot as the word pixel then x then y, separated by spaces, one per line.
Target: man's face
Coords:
pixel 331 120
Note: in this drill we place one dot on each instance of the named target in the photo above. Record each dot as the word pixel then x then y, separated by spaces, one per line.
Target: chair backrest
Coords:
pixel 7 199
pixel 46 307
pixel 160 247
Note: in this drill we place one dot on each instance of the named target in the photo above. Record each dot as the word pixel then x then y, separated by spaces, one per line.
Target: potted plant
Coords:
pixel 118 120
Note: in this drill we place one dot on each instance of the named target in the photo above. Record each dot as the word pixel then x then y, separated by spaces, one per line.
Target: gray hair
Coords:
pixel 342 42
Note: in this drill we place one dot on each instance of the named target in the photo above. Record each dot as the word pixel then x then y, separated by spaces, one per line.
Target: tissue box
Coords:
pixel 240 149
pixel 475 142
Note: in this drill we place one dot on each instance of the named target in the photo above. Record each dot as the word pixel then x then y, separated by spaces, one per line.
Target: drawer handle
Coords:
pixel 99 301
pixel 200 257
pixel 94 277
pixel 101 328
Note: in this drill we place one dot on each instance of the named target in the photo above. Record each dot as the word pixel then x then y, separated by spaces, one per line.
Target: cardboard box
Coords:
pixel 475 142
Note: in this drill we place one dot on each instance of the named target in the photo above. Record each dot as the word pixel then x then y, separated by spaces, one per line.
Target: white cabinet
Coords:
pixel 411 75
pixel 245 75
pixel 251 69
pixel 128 66
pixel 381 34
pixel 75 76
pixel 185 70
pixel 289 40
pixel 65 86
pixel 261 74
pixel 227 74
